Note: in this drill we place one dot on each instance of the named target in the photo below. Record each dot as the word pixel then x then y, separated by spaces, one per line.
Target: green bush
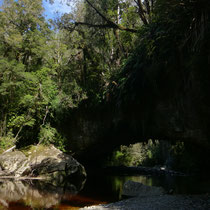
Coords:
pixel 6 142
pixel 49 135
pixel 177 155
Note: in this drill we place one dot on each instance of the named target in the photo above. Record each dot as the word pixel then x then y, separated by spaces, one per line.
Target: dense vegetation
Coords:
pixel 122 52
pixel 49 67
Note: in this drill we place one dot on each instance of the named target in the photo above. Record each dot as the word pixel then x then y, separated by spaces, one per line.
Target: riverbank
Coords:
pixel 144 197
pixel 166 202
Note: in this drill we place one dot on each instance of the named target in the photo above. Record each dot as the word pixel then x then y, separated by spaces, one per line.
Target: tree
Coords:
pixel 144 9
pixel 23 33
pixel 34 72
pixel 100 50
pixel 23 29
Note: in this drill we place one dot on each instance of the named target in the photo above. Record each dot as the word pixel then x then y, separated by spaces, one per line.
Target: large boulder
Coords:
pixel 41 161
pixel 133 189
pixel 11 162
pixel 51 163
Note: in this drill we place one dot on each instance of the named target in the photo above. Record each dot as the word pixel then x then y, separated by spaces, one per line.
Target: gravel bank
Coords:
pixel 162 202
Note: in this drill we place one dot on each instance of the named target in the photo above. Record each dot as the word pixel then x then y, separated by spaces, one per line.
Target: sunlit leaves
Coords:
pixel 36 80
pixel 18 121
pixel 47 134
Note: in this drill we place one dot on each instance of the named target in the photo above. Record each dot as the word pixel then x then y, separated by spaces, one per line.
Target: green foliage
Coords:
pixel 122 158
pixel 132 155
pixel 37 84
pixel 61 142
pixel 49 135
pixel 6 142
pixel 150 153
pixel 177 156
pixel 164 49
pixel 20 120
pixel 46 73
pixel 99 52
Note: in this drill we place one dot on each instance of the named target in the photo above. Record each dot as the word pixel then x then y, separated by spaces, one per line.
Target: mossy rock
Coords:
pixel 41 161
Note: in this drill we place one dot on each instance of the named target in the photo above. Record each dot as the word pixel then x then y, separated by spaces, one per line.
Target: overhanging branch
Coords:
pixel 110 24
pixel 120 27
pixel 71 25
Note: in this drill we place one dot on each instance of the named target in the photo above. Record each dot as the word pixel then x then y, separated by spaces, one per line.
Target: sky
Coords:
pixel 51 9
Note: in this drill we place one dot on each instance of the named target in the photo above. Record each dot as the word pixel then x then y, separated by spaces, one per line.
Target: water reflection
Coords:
pixel 36 194
pixel 99 188
pixel 118 182
pixel 179 184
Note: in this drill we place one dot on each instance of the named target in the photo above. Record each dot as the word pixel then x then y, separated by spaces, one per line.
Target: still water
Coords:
pixel 98 188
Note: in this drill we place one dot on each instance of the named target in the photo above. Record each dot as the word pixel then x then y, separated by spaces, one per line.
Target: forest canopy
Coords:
pixel 102 51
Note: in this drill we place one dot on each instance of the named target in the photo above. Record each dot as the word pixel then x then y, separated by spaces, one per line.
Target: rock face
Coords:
pixel 134 189
pixel 39 161
pixel 11 162
pixel 96 132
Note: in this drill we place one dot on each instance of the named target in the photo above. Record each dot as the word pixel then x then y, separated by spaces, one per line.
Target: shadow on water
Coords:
pixel 99 188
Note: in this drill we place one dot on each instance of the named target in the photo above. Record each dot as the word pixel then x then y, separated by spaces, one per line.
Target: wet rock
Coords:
pixel 134 189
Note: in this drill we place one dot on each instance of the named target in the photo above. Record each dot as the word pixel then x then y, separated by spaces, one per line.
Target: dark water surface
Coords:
pixel 98 188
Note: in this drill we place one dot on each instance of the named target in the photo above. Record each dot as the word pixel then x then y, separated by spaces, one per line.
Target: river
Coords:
pixel 98 188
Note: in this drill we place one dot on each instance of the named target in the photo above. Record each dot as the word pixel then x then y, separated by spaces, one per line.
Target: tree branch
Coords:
pixel 46 113
pixel 101 26
pixel 9 150
pixel 141 12
pixel 100 14
pixel 110 24
pixel 147 6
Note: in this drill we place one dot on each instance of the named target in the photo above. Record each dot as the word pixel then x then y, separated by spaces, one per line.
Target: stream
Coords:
pixel 98 188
